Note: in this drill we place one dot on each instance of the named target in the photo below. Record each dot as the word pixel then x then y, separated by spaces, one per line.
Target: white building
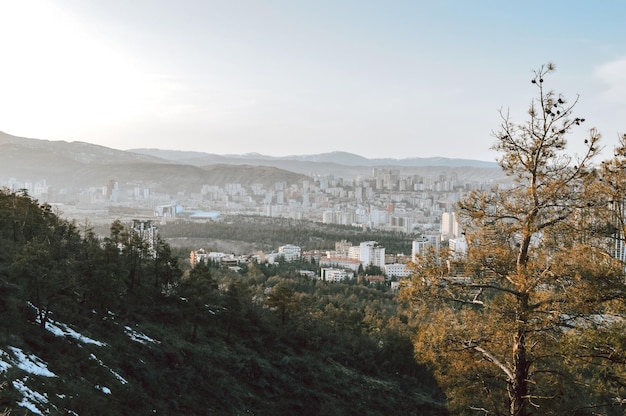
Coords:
pixel 423 244
pixel 419 247
pixel 287 253
pixel 458 246
pixel 354 252
pixel 216 257
pixel 147 231
pixel 372 254
pixel 342 262
pixel 397 270
pixel 290 252
pixel 334 275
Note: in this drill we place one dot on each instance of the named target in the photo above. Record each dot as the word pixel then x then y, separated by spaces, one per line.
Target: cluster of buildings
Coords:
pixel 347 261
pixel 387 199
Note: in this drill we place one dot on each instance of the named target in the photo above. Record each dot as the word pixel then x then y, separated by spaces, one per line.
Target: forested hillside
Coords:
pixel 270 233
pixel 96 326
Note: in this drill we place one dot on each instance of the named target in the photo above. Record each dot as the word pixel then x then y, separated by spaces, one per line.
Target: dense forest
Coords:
pixel 113 323
pixel 270 233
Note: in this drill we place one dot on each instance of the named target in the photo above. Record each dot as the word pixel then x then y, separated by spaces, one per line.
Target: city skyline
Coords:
pixel 393 80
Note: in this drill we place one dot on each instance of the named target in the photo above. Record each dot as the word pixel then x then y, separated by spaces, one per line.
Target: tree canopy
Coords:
pixel 533 320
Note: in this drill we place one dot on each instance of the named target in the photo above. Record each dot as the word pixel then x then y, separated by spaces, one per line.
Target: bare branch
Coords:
pixel 492 358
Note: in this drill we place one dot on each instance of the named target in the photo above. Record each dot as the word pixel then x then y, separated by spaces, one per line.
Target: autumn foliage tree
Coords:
pixel 534 321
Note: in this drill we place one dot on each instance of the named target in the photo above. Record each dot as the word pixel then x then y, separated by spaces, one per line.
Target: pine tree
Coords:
pixel 514 332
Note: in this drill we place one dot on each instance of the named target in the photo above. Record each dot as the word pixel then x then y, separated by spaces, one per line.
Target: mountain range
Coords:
pixel 81 165
pixel 339 158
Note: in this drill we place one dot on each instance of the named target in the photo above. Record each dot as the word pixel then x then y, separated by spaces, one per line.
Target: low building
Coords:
pixel 397 270
pixel 196 256
pixel 290 252
pixel 458 246
pixel 373 280
pixel 340 262
pixel 216 257
pixel 334 275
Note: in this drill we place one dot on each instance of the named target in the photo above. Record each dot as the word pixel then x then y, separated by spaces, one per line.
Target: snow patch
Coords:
pixel 30 398
pixel 104 389
pixel 62 330
pixel 119 378
pixel 29 363
pixel 4 365
pixel 139 337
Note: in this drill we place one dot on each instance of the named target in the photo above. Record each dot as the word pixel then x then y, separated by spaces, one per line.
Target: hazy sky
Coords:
pixel 376 78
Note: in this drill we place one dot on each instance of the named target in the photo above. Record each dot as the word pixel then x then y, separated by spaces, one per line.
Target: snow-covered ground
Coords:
pixel 31 398
pixel 138 336
pixel 119 378
pixel 62 330
pixel 31 364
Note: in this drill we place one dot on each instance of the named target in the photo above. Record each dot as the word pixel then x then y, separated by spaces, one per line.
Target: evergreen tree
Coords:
pixel 100 279
pixel 199 293
pixel 511 333
pixel 282 299
pixel 46 264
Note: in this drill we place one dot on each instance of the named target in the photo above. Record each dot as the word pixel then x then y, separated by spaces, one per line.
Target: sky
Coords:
pixel 393 78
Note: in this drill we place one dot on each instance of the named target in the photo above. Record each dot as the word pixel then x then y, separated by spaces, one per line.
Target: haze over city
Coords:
pixel 379 79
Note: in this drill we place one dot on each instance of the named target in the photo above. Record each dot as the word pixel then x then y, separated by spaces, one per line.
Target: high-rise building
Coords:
pixel 619 239
pixel 372 254
pixel 450 226
pixel 148 232
pixel 423 244
pixel 420 247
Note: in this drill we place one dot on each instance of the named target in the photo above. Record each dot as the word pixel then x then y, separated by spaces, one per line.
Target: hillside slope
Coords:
pixel 144 366
pixel 94 326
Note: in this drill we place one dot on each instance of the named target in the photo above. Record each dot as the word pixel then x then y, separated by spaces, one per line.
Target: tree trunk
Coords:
pixel 518 389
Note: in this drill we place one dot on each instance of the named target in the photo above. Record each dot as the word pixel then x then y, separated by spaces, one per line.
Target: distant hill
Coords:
pixel 339 158
pixel 83 165
pixel 71 152
pixel 341 164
